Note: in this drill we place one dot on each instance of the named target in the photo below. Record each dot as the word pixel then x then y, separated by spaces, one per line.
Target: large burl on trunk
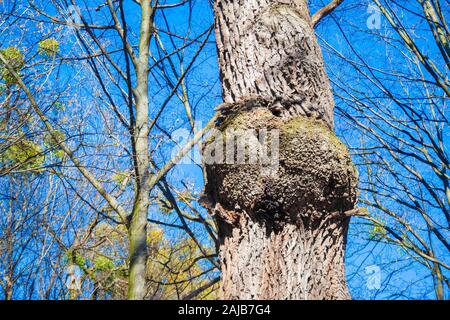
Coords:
pixel 282 229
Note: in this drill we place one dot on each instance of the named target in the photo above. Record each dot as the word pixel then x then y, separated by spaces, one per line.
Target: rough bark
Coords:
pixel 268 49
pixel 282 231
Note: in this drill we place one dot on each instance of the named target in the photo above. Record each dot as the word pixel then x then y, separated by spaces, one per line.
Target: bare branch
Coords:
pixel 197 291
pixel 322 13
pixel 112 201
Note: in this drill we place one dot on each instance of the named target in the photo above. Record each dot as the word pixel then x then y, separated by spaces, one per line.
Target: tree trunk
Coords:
pixel 8 291
pixel 137 229
pixel 282 228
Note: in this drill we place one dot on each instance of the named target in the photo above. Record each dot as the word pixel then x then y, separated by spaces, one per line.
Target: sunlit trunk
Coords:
pixel 283 231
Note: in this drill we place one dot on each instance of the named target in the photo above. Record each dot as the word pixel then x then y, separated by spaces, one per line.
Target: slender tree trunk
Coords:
pixel 8 290
pixel 9 270
pixel 138 225
pixel 282 232
pixel 438 282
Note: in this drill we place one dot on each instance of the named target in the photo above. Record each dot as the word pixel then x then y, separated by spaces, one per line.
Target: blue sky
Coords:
pixel 400 277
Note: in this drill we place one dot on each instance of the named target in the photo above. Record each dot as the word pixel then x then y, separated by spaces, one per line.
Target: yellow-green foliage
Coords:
pixel 15 60
pixel 59 105
pixel 175 263
pixel 154 238
pixel 74 257
pixel 119 177
pixel 102 263
pixel 52 143
pixel 378 232
pixel 171 267
pixel 49 47
pixel 24 154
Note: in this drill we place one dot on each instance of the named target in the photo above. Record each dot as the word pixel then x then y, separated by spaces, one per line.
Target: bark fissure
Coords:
pixel 269 49
pixel 282 231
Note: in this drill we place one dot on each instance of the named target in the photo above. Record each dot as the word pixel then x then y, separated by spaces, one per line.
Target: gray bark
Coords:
pixel 283 234
pixel 269 49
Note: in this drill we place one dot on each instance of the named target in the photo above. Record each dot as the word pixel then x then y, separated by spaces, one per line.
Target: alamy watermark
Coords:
pixel 374 277
pixel 73 280
pixel 374 19
pixel 73 17
pixel 234 146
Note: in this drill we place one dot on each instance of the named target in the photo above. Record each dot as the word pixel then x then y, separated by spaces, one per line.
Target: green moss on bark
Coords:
pixel 315 174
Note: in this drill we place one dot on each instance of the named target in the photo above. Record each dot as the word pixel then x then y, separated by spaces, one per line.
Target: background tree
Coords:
pixel 118 95
pixel 396 116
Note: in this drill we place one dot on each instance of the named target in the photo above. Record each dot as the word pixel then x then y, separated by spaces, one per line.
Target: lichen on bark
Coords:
pixel 313 173
pixel 282 233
